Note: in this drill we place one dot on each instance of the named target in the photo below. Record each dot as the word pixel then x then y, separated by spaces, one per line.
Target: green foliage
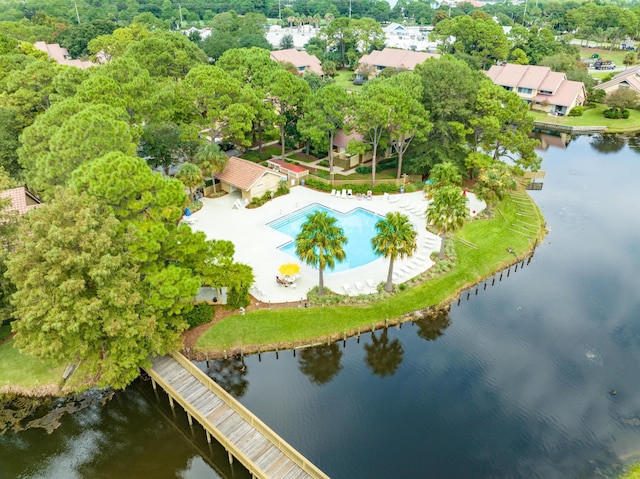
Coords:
pixel 577 111
pixel 494 182
pixel 77 37
pixel 395 238
pixel 201 313
pixel 320 243
pixel 238 297
pixel 10 129
pixel 616 113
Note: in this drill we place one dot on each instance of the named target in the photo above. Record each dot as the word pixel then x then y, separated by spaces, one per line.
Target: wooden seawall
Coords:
pixel 243 435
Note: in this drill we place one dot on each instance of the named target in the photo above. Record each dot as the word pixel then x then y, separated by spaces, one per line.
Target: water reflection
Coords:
pixel 433 324
pixel 321 363
pixel 383 356
pixel 230 374
pixel 607 143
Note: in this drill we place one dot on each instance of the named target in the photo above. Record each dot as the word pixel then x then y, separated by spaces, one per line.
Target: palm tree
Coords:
pixel 448 211
pixel 190 175
pixel 320 243
pixel 212 159
pixel 396 238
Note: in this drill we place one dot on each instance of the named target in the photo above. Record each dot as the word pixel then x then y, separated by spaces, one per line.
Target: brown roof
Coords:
pixel 21 199
pixel 396 58
pixel 299 59
pixel 61 55
pixel 283 165
pixel 567 93
pixel 243 174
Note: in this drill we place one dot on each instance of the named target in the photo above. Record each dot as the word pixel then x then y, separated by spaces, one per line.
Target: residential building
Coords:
pixel 541 88
pixel 251 179
pixel 376 61
pixel 628 79
pixel 61 55
pixel 22 200
pixel 303 61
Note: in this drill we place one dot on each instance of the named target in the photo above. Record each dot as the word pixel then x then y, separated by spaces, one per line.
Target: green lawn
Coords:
pixel 343 78
pixel 593 117
pixel 492 237
pixel 25 372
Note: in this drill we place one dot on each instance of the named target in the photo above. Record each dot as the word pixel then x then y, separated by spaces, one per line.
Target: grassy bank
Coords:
pixel 261 327
pixel 594 117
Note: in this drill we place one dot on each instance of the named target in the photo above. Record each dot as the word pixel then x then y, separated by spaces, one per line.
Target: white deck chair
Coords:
pixel 393 198
pixel 385 196
pixel 347 288
pixel 333 192
pixel 344 193
pixel 349 194
pixel 371 283
pixel 359 286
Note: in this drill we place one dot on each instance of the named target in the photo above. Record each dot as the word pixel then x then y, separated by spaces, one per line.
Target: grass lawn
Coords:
pixel 616 56
pixel 343 78
pixel 593 117
pixel 260 327
pixel 253 155
pixel 24 372
pixel 302 158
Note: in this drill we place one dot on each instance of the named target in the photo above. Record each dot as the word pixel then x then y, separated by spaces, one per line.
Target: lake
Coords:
pixel 515 382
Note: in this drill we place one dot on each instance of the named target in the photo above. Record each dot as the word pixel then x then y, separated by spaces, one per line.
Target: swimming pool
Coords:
pixel 358 225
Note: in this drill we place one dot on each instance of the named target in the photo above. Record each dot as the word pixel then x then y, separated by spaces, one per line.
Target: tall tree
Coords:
pixel 320 243
pixel 448 211
pixel 325 113
pixel 395 238
pixel 10 129
pixel 8 239
pixel 190 175
pixel 287 93
pixel 212 159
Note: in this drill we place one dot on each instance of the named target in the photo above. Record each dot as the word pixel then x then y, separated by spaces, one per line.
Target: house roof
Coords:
pixel 243 174
pixel 342 139
pixel 299 59
pixel 61 55
pixel 631 77
pixel 283 165
pixel 567 93
pixel 393 27
pixel 21 199
pixel 396 58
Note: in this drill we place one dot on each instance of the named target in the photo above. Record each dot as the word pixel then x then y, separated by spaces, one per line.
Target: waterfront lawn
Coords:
pixel 263 327
pixel 593 117
pixel 23 371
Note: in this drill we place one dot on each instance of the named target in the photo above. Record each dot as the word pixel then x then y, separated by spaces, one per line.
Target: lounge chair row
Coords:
pixel 359 286
pixel 348 194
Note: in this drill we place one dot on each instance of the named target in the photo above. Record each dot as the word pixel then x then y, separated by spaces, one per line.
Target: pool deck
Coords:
pixel 256 244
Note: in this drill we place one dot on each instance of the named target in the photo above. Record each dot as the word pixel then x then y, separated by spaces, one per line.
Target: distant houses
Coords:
pixel 61 55
pixel 303 61
pixel 541 88
pixel 372 64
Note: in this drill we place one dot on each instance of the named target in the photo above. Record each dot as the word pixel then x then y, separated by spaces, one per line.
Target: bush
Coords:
pixel 201 313
pixel 324 163
pixel 576 111
pixel 625 114
pixel 238 297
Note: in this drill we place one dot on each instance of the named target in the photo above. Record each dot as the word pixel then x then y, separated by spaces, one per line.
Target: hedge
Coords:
pixel 201 313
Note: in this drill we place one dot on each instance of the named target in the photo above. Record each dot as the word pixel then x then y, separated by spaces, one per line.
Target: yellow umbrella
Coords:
pixel 289 269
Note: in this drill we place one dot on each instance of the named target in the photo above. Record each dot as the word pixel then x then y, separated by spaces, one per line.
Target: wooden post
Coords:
pixel 230 457
pixel 170 400
pixel 153 383
pixel 208 436
pixel 190 419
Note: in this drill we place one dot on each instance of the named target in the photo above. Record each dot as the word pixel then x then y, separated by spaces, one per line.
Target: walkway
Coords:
pixel 256 244
pixel 243 435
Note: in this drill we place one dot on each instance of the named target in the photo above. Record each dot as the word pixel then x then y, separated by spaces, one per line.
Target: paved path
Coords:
pixel 257 244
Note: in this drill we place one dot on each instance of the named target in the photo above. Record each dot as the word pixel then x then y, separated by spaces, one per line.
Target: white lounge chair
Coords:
pixel 333 192
pixel 344 193
pixel 349 194
pixel 385 196
pixel 347 288
pixel 371 283
pixel 393 198
pixel 359 286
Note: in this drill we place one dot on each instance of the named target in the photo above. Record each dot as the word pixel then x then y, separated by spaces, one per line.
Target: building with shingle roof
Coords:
pixel 251 179
pixel 541 88
pixel 22 200
pixel 628 79
pixel 61 55
pixel 378 60
pixel 303 61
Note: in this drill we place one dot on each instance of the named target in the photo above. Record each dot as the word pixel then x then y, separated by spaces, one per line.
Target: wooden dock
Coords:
pixel 544 126
pixel 243 435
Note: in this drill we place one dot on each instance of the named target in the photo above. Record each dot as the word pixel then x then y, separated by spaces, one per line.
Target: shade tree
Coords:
pixel 447 212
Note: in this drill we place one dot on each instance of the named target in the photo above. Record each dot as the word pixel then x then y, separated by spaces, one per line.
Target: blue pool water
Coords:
pixel 358 225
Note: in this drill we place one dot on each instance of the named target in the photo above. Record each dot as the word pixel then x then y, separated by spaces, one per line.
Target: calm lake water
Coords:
pixel 513 382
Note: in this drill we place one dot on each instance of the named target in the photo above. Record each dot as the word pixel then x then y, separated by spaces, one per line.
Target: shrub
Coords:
pixel 576 111
pixel 201 313
pixel 625 114
pixel 324 163
pixel 238 297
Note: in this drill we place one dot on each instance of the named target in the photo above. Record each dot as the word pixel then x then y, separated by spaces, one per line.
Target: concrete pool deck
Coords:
pixel 256 244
